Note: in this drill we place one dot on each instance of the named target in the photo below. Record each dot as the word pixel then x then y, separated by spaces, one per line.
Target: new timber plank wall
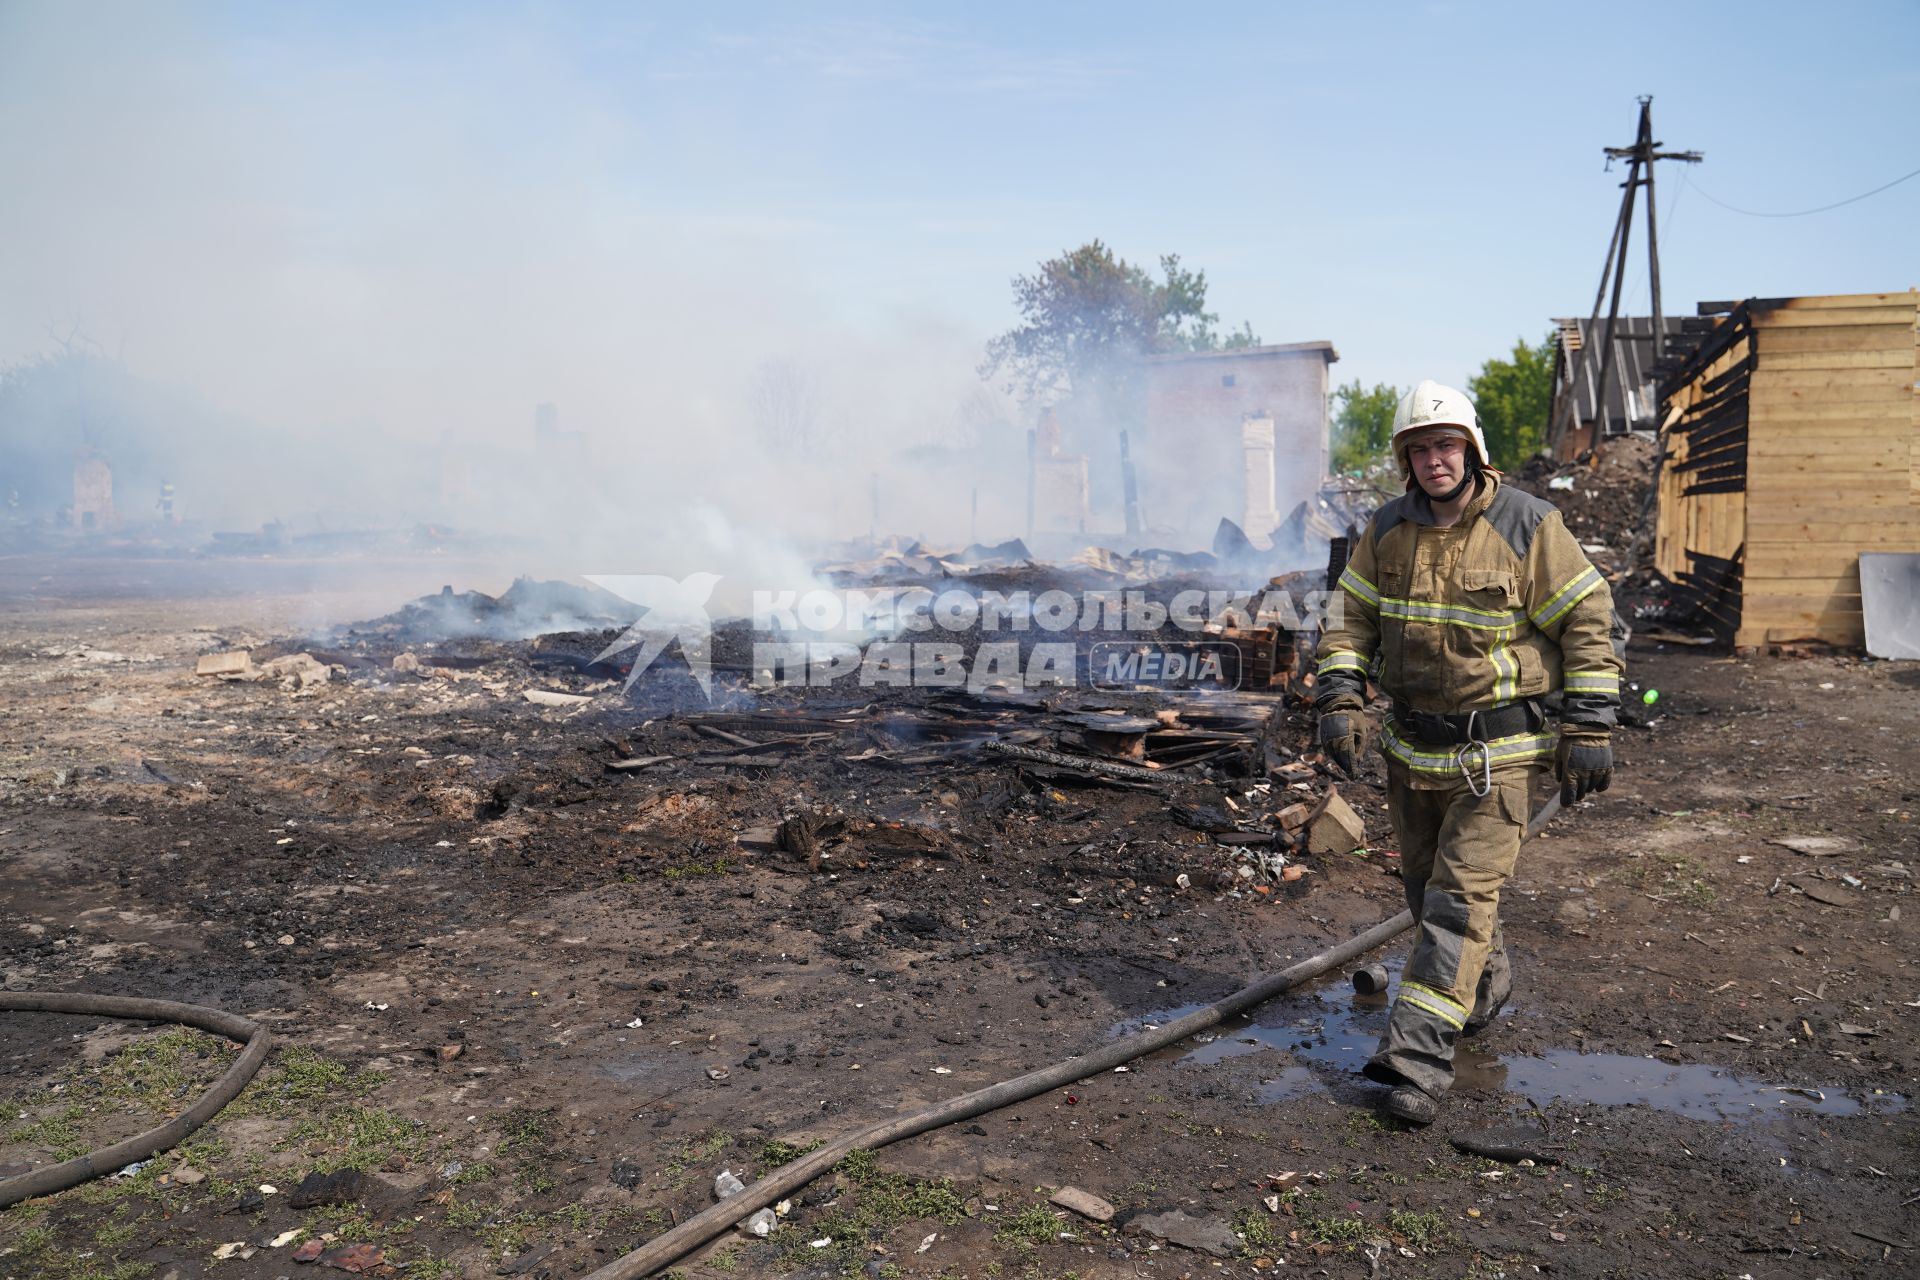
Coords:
pixel 1814 460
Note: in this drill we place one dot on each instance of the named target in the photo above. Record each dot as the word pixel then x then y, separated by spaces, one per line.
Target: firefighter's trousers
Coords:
pixel 1456 851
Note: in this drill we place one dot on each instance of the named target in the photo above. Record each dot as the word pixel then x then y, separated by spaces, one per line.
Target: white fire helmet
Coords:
pixel 1432 404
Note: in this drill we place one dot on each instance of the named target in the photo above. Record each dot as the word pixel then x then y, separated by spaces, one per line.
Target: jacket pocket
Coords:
pixel 1491 590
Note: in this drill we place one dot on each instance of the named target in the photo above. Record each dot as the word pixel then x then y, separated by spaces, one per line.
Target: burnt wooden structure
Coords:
pixel 1791 443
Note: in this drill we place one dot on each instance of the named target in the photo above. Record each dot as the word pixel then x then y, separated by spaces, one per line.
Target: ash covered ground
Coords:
pixel 537 974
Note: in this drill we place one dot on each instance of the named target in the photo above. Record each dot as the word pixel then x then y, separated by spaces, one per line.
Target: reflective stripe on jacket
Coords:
pixel 1500 606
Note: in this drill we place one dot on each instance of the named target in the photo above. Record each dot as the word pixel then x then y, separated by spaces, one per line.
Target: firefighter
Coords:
pixel 1467 602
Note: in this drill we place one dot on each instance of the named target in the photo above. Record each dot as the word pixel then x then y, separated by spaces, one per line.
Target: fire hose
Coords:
pixel 696 1231
pixel 71 1173
pixel 670 1247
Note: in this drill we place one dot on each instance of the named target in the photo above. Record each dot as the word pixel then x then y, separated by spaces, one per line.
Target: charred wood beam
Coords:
pixel 1079 764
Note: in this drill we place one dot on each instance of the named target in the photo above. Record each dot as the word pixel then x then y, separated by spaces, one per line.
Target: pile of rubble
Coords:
pixel 524 610
pixel 1338 510
pixel 1233 772
pixel 1602 499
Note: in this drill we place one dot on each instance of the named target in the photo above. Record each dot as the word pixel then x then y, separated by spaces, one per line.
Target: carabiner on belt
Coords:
pixel 1464 758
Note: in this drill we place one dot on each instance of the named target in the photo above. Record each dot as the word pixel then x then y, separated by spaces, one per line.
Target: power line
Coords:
pixel 1642 156
pixel 1800 213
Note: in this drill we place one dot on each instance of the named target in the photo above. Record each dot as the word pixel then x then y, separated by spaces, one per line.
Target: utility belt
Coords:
pixel 1523 716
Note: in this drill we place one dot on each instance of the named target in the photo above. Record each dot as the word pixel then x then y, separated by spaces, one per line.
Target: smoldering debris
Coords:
pixel 523 611
pixel 1238 752
pixel 1339 509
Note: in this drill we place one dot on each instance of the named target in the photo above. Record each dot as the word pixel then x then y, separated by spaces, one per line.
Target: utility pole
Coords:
pixel 1640 158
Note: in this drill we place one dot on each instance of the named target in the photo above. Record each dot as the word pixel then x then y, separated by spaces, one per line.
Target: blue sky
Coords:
pixel 403 214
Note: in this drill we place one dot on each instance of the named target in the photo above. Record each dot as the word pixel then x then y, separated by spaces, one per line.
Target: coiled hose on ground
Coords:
pixel 71 1173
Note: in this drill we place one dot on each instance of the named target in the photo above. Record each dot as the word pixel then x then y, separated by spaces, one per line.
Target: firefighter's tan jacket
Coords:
pixel 1501 606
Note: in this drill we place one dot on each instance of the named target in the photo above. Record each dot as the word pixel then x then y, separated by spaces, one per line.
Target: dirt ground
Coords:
pixel 539 1004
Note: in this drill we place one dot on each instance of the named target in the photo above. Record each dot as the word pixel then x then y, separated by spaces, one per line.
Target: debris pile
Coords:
pixel 1601 499
pixel 1338 509
pixel 1222 788
pixel 523 611
pixel 896 558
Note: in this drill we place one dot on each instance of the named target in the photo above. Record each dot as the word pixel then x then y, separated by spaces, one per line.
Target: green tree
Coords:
pixel 1362 426
pixel 1088 315
pixel 1512 398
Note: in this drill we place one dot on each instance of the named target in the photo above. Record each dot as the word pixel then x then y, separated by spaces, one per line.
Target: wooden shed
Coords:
pixel 1791 442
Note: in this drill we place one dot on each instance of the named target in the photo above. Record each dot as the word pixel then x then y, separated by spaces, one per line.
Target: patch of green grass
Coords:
pixel 155 1070
pixel 1422 1230
pixel 1261 1233
pixel 534 1179
pixel 1599 1193
pixel 526 1134
pixel 115 1237
pixel 581 1218
pixel 429 1266
pixel 875 1203
pixel 525 1129
pixel 32 1241
pixel 1031 1227
pixel 296 1077
pixel 775 1153
pixel 893 1197
pixel 699 1150
pixel 1368 1122
pixel 685 870
pixel 34 1251
pixel 204 1152
pixel 472 1172
pixel 351 1222
pixel 509 1233
pixel 58 1132
pixel 152 1073
pixel 88 1269
pixel 116 1190
pixel 359 1138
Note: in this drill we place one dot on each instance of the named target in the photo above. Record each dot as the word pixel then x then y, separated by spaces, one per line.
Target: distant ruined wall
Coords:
pixel 93 494
pixel 1193 456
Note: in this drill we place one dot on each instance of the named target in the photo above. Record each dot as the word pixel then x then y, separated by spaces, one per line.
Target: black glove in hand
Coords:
pixel 1341 737
pixel 1584 764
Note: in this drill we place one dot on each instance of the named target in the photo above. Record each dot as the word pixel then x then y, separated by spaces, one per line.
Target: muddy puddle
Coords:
pixel 1329 1032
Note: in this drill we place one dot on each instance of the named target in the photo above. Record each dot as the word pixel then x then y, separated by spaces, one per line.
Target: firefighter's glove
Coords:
pixel 1585 763
pixel 1343 729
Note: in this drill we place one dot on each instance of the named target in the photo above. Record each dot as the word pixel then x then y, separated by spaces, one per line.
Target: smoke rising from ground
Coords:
pixel 361 268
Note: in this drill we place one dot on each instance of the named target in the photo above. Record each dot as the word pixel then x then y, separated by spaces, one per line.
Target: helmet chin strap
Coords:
pixel 1473 473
